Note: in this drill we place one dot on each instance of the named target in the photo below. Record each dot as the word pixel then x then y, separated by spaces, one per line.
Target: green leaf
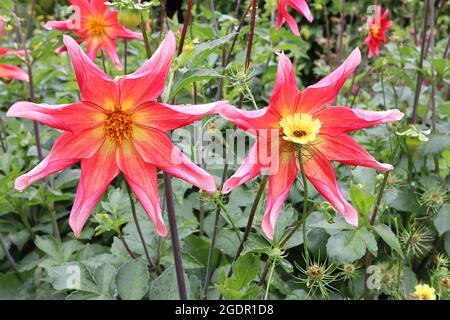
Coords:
pixel 366 177
pixel 348 246
pixel 185 79
pixel 132 280
pixel 389 237
pixel 362 201
pixel 50 246
pixel 204 49
pixel 442 220
pixel 165 286
pixel 447 242
pixel 245 269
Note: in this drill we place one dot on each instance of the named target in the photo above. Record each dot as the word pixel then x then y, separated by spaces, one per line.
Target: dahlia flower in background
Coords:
pixel 305 129
pixel 8 72
pixel 117 127
pixel 284 16
pixel 96 25
pixel 378 25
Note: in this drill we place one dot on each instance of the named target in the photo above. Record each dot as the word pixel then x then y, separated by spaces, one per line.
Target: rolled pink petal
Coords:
pixel 338 120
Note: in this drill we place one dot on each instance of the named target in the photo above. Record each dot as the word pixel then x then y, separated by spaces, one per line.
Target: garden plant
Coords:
pixel 235 150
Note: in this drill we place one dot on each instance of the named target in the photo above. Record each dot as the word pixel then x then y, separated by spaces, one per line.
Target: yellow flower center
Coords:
pixel 425 292
pixel 96 26
pixel 118 126
pixel 300 128
pixel 374 31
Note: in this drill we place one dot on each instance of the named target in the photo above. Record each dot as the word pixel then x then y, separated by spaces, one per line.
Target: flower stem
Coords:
pixel 373 217
pixel 8 255
pixel 251 217
pixel 174 236
pixel 51 208
pixel 250 44
pixel 302 220
pixel 185 26
pixel 230 51
pixel 272 268
pixel 148 50
pixel 213 240
pixel 2 130
pixel 125 244
pixel 32 97
pixel 420 65
pixel 125 56
pixel 341 33
pixel 138 227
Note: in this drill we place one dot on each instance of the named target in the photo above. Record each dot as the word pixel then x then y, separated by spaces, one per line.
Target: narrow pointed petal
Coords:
pixel 324 92
pixel 18 53
pixel 142 179
pixel 147 83
pixel 255 120
pixel 285 93
pixel 338 120
pixel 249 169
pixel 167 117
pixel 97 173
pixel 109 46
pixel 68 150
pixel 105 92
pixel 59 25
pixel 320 173
pixel 280 182
pixel 12 73
pixel 347 151
pixel 290 21
pixel 155 148
pixel 75 117
pixel 302 7
pixel 119 31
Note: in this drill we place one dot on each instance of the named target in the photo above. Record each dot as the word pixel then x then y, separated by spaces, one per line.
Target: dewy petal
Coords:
pixel 320 173
pixel 75 117
pixel 338 120
pixel 324 92
pixel 249 169
pixel 167 117
pixel 147 83
pixel 280 182
pixel 302 7
pixel 97 173
pixel 285 92
pixel 12 72
pixel 155 148
pixel 95 85
pixel 68 150
pixel 345 150
pixel 142 179
pixel 255 120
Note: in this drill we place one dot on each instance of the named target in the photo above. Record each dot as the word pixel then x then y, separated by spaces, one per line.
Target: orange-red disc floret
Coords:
pixel 118 126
